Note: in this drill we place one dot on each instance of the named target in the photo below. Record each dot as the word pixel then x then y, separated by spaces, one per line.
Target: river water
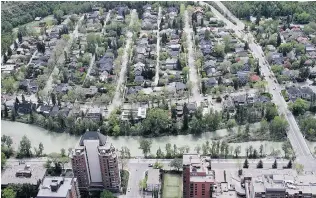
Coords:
pixel 54 142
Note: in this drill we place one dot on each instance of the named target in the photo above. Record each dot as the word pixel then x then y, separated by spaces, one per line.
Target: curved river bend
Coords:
pixel 54 142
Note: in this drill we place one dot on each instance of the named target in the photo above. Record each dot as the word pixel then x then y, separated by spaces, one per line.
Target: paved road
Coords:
pixel 158 48
pixel 74 35
pixel 296 138
pixel 117 99
pixel 193 75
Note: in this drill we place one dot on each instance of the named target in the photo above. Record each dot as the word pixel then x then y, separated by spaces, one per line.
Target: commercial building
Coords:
pixel 153 181
pixel 95 163
pixel 58 187
pixel 278 183
pixel 22 172
pixel 198 178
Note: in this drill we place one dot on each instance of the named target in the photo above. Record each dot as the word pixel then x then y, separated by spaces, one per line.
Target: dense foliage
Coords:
pixel 303 12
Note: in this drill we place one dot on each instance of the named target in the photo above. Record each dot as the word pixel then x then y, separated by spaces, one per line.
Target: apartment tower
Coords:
pixel 95 163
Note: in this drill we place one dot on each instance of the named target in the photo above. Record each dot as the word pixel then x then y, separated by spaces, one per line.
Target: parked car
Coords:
pixel 150 165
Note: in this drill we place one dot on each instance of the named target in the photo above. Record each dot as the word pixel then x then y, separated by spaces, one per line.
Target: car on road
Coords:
pixel 150 165
pixel 129 190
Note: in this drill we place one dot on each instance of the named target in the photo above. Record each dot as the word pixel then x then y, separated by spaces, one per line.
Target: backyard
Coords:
pixel 172 186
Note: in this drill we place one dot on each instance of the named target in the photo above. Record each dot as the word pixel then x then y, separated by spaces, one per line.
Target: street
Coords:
pixel 193 75
pixel 158 48
pixel 117 99
pixel 296 138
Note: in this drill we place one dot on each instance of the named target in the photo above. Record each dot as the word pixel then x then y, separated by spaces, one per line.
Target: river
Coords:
pixel 54 142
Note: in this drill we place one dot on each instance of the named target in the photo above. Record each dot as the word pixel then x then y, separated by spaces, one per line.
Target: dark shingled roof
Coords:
pixel 93 135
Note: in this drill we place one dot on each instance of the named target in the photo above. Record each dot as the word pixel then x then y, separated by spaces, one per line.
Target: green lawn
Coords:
pixel 34 25
pixel 172 187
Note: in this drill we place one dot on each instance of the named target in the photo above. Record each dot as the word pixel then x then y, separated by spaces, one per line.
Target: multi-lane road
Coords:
pixel 304 155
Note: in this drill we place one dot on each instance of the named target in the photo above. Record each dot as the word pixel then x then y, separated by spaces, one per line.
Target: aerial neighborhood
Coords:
pixel 158 99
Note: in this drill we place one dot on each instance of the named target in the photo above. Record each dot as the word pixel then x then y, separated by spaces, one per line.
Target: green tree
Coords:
pixel 58 14
pixel 9 85
pixel 145 146
pixel 278 128
pixel 63 152
pixel 8 193
pixel 24 148
pixel 156 122
pixel 237 151
pixel 159 153
pixel 299 168
pixel 299 106
pixel 3 160
pixel 106 194
pixel 176 163
pixel 271 112
pixel 219 50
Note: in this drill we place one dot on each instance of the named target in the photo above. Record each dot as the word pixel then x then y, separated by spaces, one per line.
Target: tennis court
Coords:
pixel 172 187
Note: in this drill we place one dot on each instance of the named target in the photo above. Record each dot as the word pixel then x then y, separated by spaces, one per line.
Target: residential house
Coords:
pixel 91 91
pixel 106 63
pixel 94 114
pixel 192 107
pixel 310 48
pixel 55 110
pixel 306 93
pixel 294 92
pixel 44 109
pixel 62 88
pixel 229 106
pixel 291 74
pixel 277 59
pixel 211 82
pixel 25 107
pixel 179 109
pixel 133 90
pixel 171 63
pixel 240 99
pixel 139 80
pixel 243 77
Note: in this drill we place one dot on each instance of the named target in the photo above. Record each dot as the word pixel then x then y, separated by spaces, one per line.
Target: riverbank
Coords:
pixel 54 142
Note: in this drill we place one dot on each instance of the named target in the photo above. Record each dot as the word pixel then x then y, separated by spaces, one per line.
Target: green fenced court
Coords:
pixel 172 186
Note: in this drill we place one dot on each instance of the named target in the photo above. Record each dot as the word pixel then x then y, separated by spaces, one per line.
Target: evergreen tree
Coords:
pixel 258 19
pixel 246 163
pixel 5 58
pixel 289 165
pixel 16 45
pixel 260 164
pixel 6 111
pixel 23 98
pixel 246 46
pixel 9 51
pixel 53 98
pixel 203 87
pixel 275 165
pixel 279 40
pixel 20 37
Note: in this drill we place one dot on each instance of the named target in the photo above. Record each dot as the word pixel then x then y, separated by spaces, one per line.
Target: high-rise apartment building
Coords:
pixel 95 163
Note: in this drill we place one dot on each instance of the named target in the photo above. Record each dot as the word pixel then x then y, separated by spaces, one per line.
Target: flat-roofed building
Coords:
pixel 153 181
pixel 22 172
pixel 58 187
